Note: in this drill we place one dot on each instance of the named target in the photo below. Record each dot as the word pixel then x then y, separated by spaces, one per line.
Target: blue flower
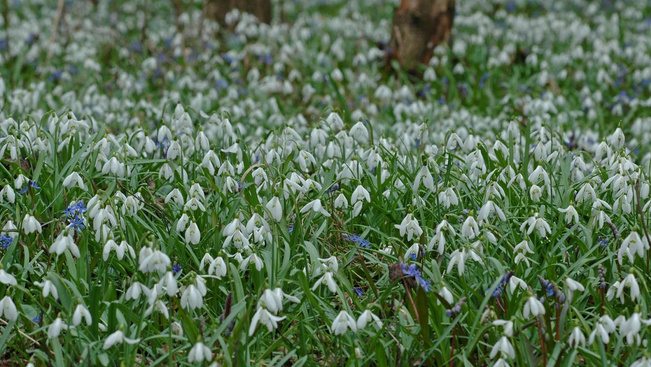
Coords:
pixel 5 241
pixel 176 269
pixel 359 292
pixel 423 283
pixel 357 239
pixel 410 270
pixel 77 223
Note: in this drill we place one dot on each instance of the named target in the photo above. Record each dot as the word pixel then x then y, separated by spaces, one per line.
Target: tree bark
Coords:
pixel 418 27
pixel 217 9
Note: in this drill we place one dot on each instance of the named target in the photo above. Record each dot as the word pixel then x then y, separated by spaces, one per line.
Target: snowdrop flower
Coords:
pixel 266 318
pixel 48 288
pixel 448 198
pixel 194 204
pixel 508 326
pixel 367 316
pixel 8 309
pixel 439 241
pixel 341 202
pixel 628 282
pixel 120 249
pixel 56 327
pixel 7 278
pixel 175 196
pixel 199 353
pixel 586 193
pixel 74 180
pixel 446 294
pixel 273 300
pixel 8 193
pixel 603 328
pixel 617 139
pixel 631 327
pixel 275 209
pixel 316 207
pixel 81 312
pixel 153 260
pixel 515 282
pixel 632 245
pixel 470 228
pixel 359 133
pixel 342 322
pixel 217 268
pixel 487 209
pixel 328 278
pixel 533 307
pixel 576 338
pixel 571 215
pixel 360 194
pixel 501 363
pixel 31 225
pixel 118 338
pixel 191 298
pixel 135 290
pixel 182 223
pixel 536 223
pixel 192 234
pixel 253 259
pixel 535 192
pixel 573 285
pixel 410 227
pixel 425 176
pixel 522 249
pixel 168 282
pixel 642 362
pixel 504 347
pixel 64 242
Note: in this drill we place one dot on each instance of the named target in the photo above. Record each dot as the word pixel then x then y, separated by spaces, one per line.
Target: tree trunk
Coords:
pixel 217 9
pixel 418 27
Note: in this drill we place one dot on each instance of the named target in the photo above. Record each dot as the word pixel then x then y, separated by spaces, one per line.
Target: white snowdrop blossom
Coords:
pixel 64 242
pixel 490 208
pixel 199 353
pixel 410 227
pixel 6 278
pixel 504 348
pixel 342 323
pixel 571 215
pixel 74 180
pixel 576 338
pixel 8 309
pixel 266 318
pixel 536 223
pixel 118 337
pixel 316 207
pixel 192 234
pixel 31 225
pixel 56 327
pixel 603 328
pixel 367 316
pixel 533 307
pixel 470 228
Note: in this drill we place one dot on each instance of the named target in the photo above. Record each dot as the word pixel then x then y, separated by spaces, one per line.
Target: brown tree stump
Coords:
pixel 418 27
pixel 217 9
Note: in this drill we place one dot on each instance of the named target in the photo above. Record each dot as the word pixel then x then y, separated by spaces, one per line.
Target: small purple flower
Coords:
pixel 5 241
pixel 77 223
pixel 359 292
pixel 176 269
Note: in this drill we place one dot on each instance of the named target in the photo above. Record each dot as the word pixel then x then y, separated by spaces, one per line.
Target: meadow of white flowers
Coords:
pixel 277 196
